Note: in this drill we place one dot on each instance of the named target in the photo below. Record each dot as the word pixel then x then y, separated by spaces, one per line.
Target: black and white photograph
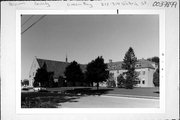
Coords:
pixel 90 61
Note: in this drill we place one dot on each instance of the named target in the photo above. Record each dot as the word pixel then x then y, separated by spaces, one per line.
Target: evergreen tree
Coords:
pixel 156 78
pixel 154 59
pixel 129 62
pixel 97 71
pixel 41 76
pixel 74 73
pixel 51 82
pixel 35 84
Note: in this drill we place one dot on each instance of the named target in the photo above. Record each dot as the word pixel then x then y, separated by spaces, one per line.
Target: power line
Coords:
pixel 33 23
pixel 27 20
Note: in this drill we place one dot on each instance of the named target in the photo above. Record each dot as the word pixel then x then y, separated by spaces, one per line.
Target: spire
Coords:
pixel 66 58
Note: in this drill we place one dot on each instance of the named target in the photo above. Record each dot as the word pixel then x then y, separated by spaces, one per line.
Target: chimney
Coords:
pixel 110 60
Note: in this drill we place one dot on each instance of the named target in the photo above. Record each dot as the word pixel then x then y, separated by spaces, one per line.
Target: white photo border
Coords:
pixel 161 109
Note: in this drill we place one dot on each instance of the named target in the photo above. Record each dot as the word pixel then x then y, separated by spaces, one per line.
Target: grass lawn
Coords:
pixel 54 96
pixel 43 99
pixel 149 91
pixel 154 92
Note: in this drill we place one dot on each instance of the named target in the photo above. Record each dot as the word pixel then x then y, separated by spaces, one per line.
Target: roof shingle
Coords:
pixel 58 67
pixel 141 63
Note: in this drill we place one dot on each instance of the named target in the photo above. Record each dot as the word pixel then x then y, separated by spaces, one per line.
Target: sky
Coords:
pixel 85 37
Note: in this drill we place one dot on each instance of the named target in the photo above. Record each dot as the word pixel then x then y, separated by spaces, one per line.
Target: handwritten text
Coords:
pixel 165 4
pixel 123 3
pixel 42 3
pixel 76 4
pixel 14 3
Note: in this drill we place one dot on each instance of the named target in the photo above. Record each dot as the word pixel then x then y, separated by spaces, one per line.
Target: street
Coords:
pixel 104 101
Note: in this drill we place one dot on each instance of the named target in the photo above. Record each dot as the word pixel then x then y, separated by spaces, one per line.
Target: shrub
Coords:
pixel 156 78
pixel 120 81
pixel 41 90
pixel 111 83
pixel 25 89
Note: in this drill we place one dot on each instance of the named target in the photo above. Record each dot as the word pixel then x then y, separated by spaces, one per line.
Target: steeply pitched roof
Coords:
pixel 58 67
pixel 141 63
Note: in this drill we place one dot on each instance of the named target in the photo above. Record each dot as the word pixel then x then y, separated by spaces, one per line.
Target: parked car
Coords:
pixel 24 88
pixel 27 88
pixel 39 88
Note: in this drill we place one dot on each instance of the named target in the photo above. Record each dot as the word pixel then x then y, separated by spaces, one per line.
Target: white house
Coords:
pixel 144 67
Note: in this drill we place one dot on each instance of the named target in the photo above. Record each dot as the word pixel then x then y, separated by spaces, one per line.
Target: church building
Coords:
pixel 57 67
pixel 144 67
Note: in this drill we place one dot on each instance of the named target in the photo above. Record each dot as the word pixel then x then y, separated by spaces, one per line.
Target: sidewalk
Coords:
pixel 132 96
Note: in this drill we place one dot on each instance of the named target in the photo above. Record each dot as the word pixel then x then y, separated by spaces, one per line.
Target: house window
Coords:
pixel 29 76
pixel 138 65
pixel 143 82
pixel 143 72
pixel 117 71
pixel 139 82
pixel 138 73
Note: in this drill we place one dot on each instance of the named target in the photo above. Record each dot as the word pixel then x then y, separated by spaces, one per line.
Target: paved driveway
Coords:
pixel 104 101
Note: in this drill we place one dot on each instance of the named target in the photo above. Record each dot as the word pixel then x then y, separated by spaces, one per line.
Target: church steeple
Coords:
pixel 66 58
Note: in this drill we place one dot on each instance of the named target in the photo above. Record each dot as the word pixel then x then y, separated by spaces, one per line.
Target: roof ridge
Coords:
pixel 52 60
pixel 58 61
pixel 144 64
pixel 137 60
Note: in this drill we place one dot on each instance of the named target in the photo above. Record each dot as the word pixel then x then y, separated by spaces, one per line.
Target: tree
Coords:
pixel 111 82
pixel 25 82
pixel 97 71
pixel 74 73
pixel 51 82
pixel 120 81
pixel 61 82
pixel 35 84
pixel 156 78
pixel 129 62
pixel 41 76
pixel 154 59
